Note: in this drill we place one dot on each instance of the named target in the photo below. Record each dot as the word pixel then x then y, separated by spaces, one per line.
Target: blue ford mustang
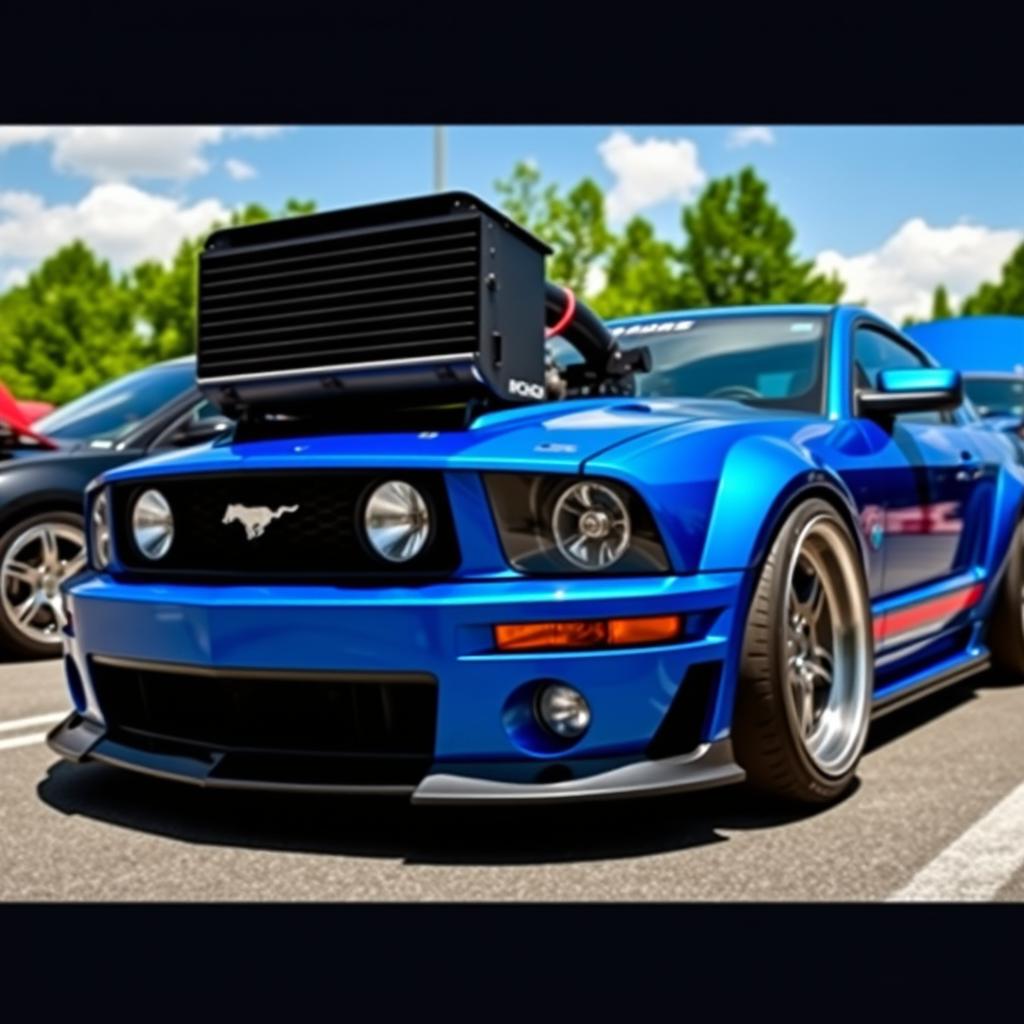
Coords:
pixel 788 526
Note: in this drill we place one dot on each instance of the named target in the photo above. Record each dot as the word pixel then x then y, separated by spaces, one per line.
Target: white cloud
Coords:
pixel 649 172
pixel 596 279
pixel 255 131
pixel 20 135
pixel 239 169
pixel 12 277
pixel 755 134
pixel 898 278
pixel 120 153
pixel 123 152
pixel 120 222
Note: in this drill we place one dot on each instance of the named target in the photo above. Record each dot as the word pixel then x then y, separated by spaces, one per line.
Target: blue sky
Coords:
pixel 894 209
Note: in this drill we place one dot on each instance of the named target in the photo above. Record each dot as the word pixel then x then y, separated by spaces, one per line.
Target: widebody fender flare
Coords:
pixel 762 479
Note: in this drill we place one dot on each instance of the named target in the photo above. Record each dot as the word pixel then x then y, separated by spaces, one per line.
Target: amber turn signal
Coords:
pixel 540 636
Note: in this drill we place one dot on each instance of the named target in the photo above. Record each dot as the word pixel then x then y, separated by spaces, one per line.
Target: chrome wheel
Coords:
pixel 827 647
pixel 35 565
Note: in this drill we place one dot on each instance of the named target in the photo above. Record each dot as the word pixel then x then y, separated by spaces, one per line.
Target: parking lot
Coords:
pixel 938 814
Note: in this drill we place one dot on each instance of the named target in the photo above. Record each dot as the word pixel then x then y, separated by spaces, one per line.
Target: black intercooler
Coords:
pixel 440 295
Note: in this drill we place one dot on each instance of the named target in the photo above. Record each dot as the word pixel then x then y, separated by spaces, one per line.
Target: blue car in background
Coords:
pixel 792 525
pixel 989 350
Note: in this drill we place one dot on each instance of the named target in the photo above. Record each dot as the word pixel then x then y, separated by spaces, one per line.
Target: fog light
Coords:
pixel 563 710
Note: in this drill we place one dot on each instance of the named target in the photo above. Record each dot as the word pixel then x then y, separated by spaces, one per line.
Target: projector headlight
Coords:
pixel 152 524
pixel 397 521
pixel 100 530
pixel 591 525
pixel 553 524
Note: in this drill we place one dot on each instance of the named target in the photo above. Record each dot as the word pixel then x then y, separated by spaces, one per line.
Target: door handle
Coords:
pixel 971 468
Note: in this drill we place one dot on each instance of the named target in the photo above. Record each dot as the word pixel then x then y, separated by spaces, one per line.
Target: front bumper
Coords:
pixel 78 739
pixel 443 631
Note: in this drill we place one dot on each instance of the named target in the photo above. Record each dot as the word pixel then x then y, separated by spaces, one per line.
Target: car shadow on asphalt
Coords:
pixel 907 719
pixel 394 829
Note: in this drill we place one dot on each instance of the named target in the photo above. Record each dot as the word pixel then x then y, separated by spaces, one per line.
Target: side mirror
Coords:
pixel 199 431
pixel 928 389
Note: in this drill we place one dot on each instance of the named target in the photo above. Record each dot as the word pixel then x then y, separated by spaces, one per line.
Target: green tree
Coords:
pixel 942 309
pixel 739 250
pixel 523 198
pixel 642 275
pixel 68 328
pixel 573 224
pixel 1005 296
pixel 579 234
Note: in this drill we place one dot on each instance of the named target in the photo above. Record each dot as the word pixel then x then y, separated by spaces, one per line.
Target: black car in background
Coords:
pixel 42 540
pixel 998 397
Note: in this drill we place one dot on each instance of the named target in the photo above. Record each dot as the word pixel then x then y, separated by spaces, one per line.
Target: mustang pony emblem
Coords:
pixel 255 520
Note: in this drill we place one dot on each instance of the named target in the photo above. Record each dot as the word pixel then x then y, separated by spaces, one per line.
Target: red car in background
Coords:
pixel 18 416
pixel 32 409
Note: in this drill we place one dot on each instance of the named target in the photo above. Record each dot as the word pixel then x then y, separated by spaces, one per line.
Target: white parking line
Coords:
pixel 977 864
pixel 25 723
pixel 22 741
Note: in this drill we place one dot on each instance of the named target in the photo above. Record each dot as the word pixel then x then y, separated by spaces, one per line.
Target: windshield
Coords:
pixel 110 412
pixel 768 361
pixel 996 396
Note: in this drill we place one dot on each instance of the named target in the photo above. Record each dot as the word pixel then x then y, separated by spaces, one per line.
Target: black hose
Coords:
pixel 586 332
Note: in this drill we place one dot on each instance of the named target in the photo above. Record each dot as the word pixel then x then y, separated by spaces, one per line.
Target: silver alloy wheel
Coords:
pixel 827 646
pixel 31 573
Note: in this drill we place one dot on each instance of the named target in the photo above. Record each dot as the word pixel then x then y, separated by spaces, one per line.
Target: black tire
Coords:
pixel 767 733
pixel 1006 631
pixel 13 642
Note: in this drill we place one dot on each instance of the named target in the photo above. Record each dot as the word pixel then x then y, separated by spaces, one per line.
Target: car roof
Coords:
pixel 992 375
pixel 712 312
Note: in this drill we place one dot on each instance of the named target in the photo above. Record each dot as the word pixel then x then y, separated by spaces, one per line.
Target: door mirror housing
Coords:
pixel 198 431
pixel 928 389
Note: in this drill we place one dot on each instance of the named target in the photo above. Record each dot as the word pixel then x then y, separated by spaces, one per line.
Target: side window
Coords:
pixel 203 422
pixel 873 352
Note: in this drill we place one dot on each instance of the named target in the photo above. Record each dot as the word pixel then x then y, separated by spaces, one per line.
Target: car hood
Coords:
pixel 552 437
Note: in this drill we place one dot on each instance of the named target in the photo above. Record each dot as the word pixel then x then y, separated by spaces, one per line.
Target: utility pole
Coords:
pixel 438 158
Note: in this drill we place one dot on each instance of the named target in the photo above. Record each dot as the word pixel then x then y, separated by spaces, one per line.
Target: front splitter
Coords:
pixel 711 764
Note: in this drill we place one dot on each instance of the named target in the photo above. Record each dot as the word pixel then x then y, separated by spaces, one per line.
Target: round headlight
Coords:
pixel 99 526
pixel 563 710
pixel 152 524
pixel 590 525
pixel 397 521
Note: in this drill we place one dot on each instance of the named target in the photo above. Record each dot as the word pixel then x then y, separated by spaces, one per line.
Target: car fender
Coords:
pixel 1007 512
pixel 763 477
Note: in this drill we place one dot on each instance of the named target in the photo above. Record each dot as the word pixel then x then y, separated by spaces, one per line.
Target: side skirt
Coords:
pixel 962 668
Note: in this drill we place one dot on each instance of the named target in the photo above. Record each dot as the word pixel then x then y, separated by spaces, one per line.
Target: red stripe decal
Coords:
pixel 903 620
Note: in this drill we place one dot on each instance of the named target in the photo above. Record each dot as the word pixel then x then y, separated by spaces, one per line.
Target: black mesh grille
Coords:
pixel 263 713
pixel 320 538
pixel 408 292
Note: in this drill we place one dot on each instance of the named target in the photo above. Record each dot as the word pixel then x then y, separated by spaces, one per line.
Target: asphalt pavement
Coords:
pixel 937 814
